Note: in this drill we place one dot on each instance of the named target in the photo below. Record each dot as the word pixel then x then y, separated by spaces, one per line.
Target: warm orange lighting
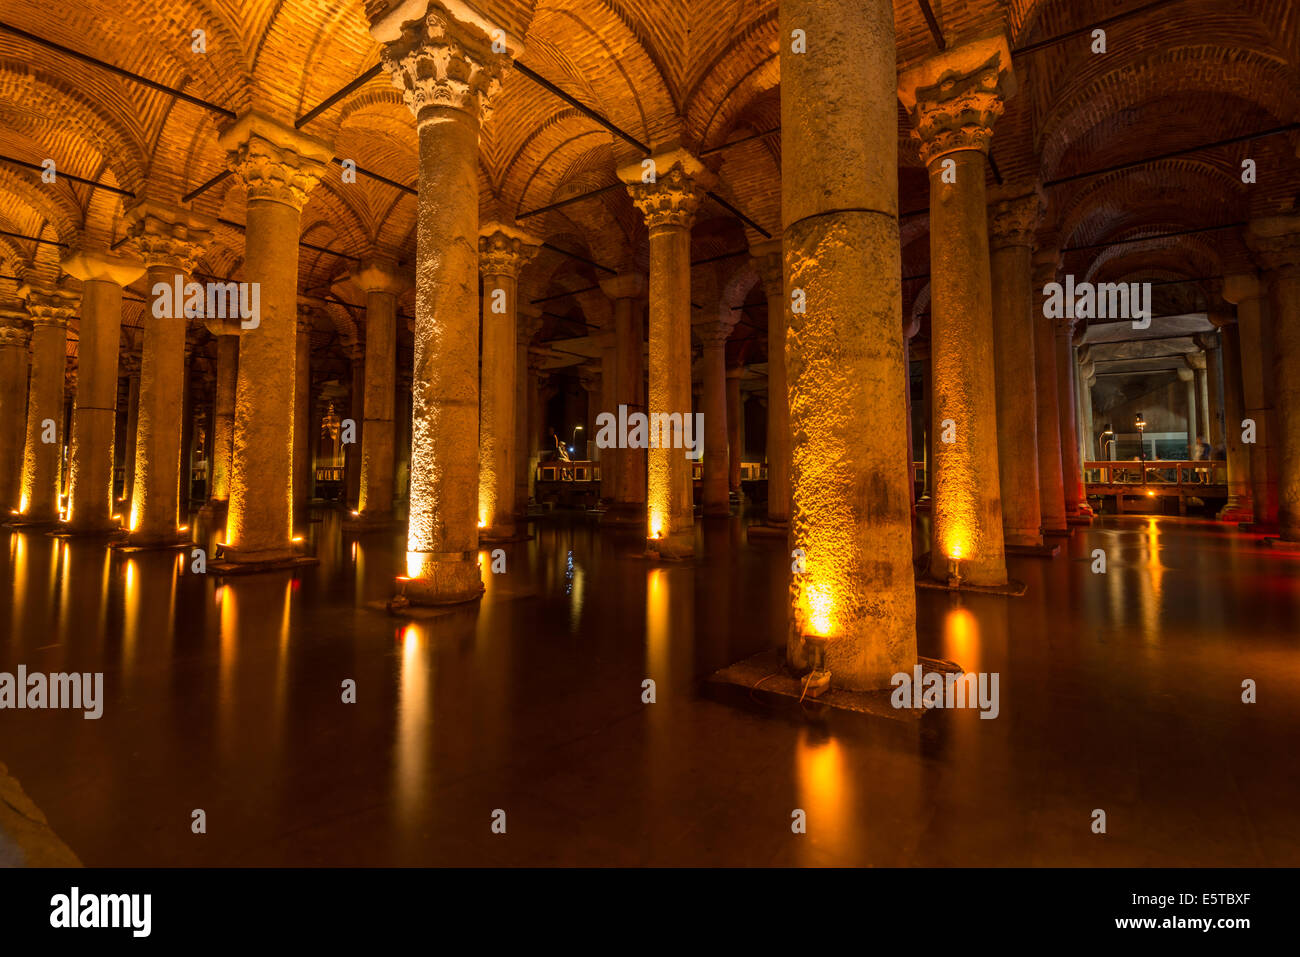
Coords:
pixel 656 525
pixel 820 606
pixel 183 528
pixel 297 538
pixel 1150 494
pixel 955 553
pixel 14 511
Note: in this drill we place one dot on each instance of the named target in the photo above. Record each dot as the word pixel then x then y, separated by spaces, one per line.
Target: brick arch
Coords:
pixel 741 72
pixel 21 189
pixel 1185 255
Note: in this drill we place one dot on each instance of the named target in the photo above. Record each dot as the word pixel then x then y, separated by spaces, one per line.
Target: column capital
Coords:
pixel 769 260
pixel 166 235
pixel 304 324
pixel 379 273
pixel 96 266
pixel 713 333
pixel 1046 264
pixel 504 250
pixel 1275 241
pixel 1242 287
pixel 441 58
pixel 49 305
pixel 628 285
pixel 679 186
pixel 276 163
pixel 1014 215
pixel 14 327
pixel 955 96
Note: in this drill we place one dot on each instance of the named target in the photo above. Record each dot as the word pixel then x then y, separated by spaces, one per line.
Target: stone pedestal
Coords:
pixel 447 71
pixel 953 99
pixel 1257 388
pixel 669 206
pixel 1012 222
pixel 15 335
pixel 170 241
pixel 503 251
pixel 717 502
pixel 853 607
pixel 628 293
pixel 279 167
pixel 94 414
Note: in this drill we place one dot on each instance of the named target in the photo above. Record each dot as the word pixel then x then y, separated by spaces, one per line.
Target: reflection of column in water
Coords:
pixel 413 722
pixel 822 789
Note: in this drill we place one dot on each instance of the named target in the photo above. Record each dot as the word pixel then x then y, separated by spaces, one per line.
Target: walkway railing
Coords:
pixel 1162 476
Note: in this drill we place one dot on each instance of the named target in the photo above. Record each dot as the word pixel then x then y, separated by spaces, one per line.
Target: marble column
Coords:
pixel 223 413
pixel 771 270
pixel 15 335
pixel 1066 390
pixel 1012 221
pixel 1187 377
pixel 302 460
pixel 131 364
pixel 380 281
pixel 447 71
pixel 1239 507
pixel 1276 242
pixel 713 335
pixel 735 430
pixel 628 293
pixel 357 413
pixel 94 413
pixel 170 240
pixel 853 607
pixel 1254 338
pixel 954 98
pixel 503 251
pixel 1051 490
pixel 669 206
pixel 278 167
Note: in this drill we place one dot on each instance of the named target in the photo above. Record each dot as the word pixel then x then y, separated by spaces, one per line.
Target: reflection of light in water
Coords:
pixel 656 624
pixel 18 561
pixel 961 638
pixel 574 581
pixel 131 627
pixel 1150 585
pixel 414 685
pixel 822 791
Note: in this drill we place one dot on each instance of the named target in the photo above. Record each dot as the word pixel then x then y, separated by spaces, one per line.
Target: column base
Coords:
pixel 111 529
pixel 1238 512
pixel 1042 550
pixel 370 522
pixel 717 509
pixel 625 513
pixel 230 555
pixel 154 540
pixel 1283 544
pixel 503 534
pixel 674 547
pixel 1021 539
pixel 32 523
pixel 768 531
pixel 1010 588
pixel 444 579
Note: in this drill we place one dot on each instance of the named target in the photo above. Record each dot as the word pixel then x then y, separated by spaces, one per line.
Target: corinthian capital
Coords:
pixel 1275 241
pixel 49 305
pixel 1013 219
pixel 955 96
pixel 14 329
pixel 276 163
pixel 166 235
pixel 440 60
pixel 680 182
pixel 503 250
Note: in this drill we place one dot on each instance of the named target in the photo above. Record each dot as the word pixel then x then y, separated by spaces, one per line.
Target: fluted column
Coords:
pixel 669 206
pixel 628 293
pixel 1276 242
pixel 302 461
pixel 279 167
pixel 851 508
pixel 735 429
pixel 714 367
pixel 170 240
pixel 1066 391
pixel 1012 223
pixel 503 251
pixel 1051 491
pixel 380 281
pixel 1238 507
pixel 94 412
pixel 223 414
pixel 15 335
pixel 954 99
pixel 771 271
pixel 447 71
pixel 1257 386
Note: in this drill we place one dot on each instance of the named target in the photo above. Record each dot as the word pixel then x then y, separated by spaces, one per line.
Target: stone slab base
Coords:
pixel 25 525
pixel 90 536
pixel 26 839
pixel 1057 532
pixel 1282 545
pixel 518 536
pixel 764 675
pixel 1012 589
pixel 225 568
pixel 767 534
pixel 359 526
pixel 125 547
pixel 1078 520
pixel 1259 528
pixel 1046 550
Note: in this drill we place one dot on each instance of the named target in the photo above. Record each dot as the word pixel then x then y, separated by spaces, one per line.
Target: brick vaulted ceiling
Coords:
pixel 1176 75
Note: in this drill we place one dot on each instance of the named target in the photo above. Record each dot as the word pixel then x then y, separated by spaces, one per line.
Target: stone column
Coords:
pixel 132 424
pixel 448 71
pixel 1086 380
pixel 1276 242
pixel 627 291
pixel 1188 377
pixel 714 335
pixel 357 413
pixel 525 411
pixel 378 278
pixel 607 342
pixel 669 206
pixel 279 167
pixel 851 508
pixel 735 429
pixel 954 99
pixel 1051 491
pixel 1066 372
pixel 1206 424
pixel 533 439
pixel 223 414
pixel 90 490
pixel 15 334
pixel 1248 293
pixel 1011 237
pixel 170 240
pixel 771 269
pixel 1238 507
pixel 503 251
pixel 302 461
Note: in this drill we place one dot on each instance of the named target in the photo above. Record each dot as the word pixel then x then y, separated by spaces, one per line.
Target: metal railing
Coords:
pixel 1157 475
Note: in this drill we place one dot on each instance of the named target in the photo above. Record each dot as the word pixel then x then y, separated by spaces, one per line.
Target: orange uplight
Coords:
pixel 820 605
pixel 355 513
pixel 955 553
pixel 297 538
pixel 1150 494
pixel 656 525
pixel 183 528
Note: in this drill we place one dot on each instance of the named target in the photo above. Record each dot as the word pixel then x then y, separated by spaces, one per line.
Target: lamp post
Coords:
pixel 573 443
